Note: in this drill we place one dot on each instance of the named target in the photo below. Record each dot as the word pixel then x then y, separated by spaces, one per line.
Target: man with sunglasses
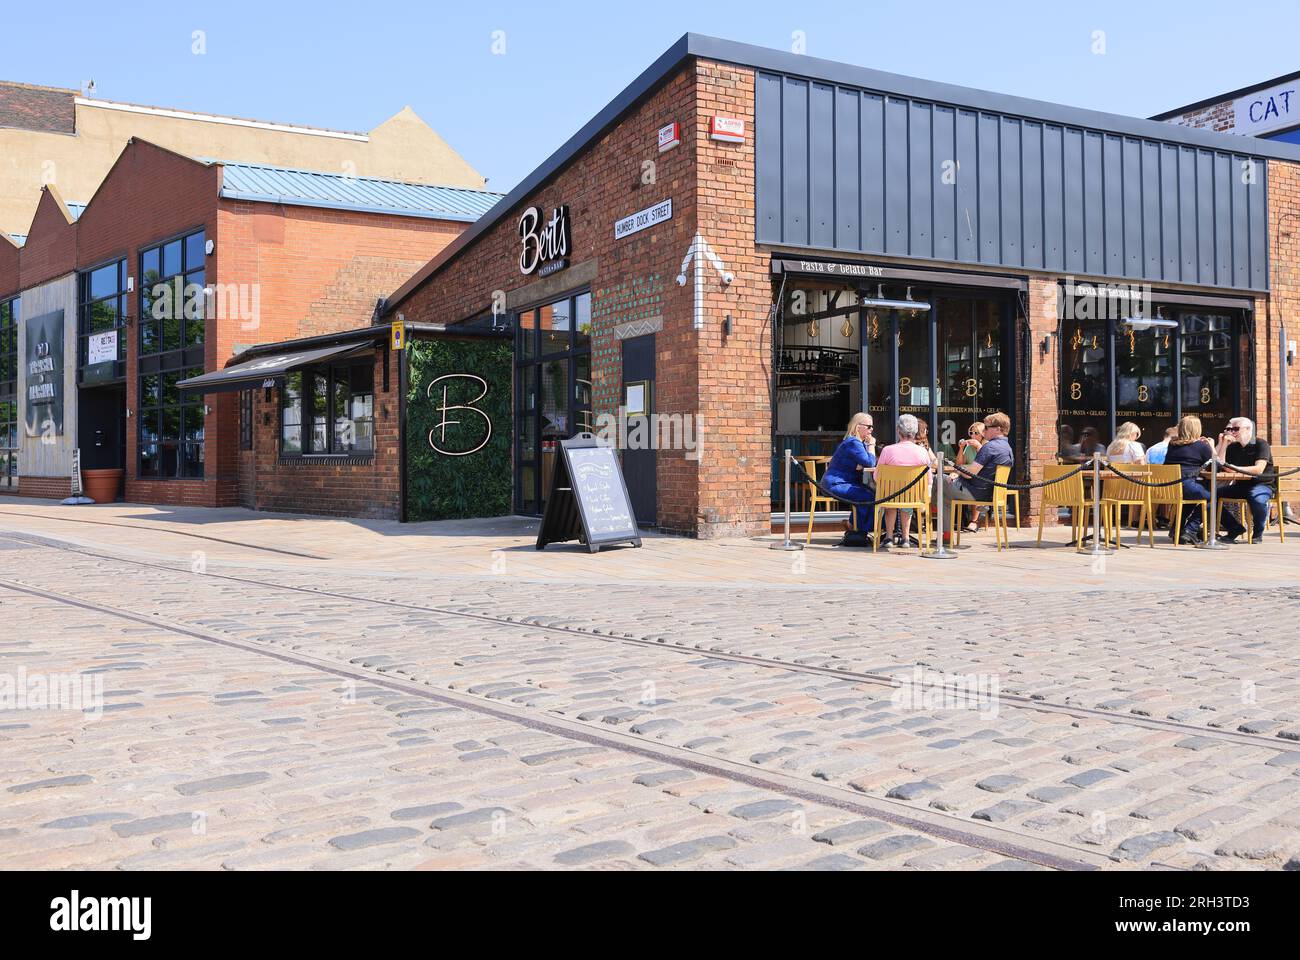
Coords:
pixel 1246 453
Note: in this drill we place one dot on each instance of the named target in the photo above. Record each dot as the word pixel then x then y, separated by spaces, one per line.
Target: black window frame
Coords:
pixel 331 374
pixel 531 359
pixel 87 301
pixel 183 354
pixel 155 407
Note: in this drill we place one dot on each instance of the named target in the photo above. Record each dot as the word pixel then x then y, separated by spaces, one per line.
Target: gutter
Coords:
pixel 377 333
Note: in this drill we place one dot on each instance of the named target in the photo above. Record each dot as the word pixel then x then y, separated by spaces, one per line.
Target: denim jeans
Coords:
pixel 1258 494
pixel 1194 489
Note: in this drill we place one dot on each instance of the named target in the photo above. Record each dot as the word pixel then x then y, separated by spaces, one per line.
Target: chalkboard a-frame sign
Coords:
pixel 588 500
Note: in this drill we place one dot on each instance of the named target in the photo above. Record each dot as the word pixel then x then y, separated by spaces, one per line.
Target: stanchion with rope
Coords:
pixel 1096 550
pixel 941 551
pixel 1212 541
pixel 787 545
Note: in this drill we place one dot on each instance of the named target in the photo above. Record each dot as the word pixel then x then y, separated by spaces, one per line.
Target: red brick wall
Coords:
pixel 357 487
pixel 1217 116
pixel 51 248
pixel 734 372
pixel 44 488
pixel 633 277
pixel 1282 307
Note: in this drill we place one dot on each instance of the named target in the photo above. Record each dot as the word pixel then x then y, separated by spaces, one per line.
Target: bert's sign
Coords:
pixel 546 242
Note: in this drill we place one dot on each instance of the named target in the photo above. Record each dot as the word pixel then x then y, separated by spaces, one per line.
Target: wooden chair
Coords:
pixel 893 479
pixel 1286 490
pixel 1172 496
pixel 1066 493
pixel 815 497
pixel 997 511
pixel 1118 493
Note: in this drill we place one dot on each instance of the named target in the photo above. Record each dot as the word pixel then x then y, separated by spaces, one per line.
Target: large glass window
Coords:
pixel 101 345
pixel 173 304
pixel 553 356
pixel 171 427
pixel 172 327
pixel 1189 362
pixel 328 410
pixel 9 319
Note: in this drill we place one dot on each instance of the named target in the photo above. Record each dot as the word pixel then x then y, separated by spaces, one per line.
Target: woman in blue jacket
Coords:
pixel 844 475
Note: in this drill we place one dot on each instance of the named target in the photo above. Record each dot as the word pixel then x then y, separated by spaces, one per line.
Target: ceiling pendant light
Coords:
pixel 846 328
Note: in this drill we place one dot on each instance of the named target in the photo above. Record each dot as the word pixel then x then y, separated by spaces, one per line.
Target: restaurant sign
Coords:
pixel 545 242
pixel 44 357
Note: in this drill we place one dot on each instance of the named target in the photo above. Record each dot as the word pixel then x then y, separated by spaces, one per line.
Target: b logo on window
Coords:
pixel 465 429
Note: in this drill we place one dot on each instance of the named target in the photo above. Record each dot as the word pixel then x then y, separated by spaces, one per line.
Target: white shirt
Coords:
pixel 1132 452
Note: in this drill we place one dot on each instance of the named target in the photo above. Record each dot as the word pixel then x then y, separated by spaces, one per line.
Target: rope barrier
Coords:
pixel 1022 486
pixel 860 503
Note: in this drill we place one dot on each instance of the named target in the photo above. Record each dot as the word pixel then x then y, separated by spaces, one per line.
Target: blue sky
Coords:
pixel 351 65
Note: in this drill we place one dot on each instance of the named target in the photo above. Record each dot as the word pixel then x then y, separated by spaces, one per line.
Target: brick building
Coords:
pixel 1269 110
pixel 59 137
pixel 768 242
pixel 172 268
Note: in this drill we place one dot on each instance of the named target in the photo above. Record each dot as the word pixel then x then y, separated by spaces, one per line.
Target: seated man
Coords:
pixel 1246 453
pixel 995 453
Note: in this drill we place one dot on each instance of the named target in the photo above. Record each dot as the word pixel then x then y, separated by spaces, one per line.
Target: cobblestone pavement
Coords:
pixel 496 721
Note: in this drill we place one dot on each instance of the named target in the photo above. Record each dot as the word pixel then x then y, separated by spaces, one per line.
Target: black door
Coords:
pixel 101 427
pixel 638 401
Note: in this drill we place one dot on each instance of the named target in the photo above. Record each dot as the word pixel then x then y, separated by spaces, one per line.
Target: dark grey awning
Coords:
pixel 264 371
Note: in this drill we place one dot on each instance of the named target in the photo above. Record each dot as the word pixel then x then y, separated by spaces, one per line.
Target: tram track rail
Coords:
pixel 987 837
pixel 610 635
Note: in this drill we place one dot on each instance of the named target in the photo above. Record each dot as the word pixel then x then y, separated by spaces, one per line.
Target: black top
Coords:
pixel 1248 454
pixel 1190 456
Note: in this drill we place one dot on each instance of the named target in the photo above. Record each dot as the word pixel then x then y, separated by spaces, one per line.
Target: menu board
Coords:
pixel 588 499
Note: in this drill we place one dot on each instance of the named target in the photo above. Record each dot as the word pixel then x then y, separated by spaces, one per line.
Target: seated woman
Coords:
pixel 1125 447
pixel 968 449
pixel 1190 451
pixel 907 452
pixel 844 475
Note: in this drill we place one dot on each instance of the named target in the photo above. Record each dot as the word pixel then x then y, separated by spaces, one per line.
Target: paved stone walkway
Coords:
pixel 1168 731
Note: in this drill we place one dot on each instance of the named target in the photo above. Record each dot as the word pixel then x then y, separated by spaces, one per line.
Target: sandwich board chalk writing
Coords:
pixel 588 499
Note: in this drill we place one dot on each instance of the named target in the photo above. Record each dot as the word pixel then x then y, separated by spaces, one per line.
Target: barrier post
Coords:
pixel 787 545
pixel 1212 521
pixel 940 552
pixel 1097 549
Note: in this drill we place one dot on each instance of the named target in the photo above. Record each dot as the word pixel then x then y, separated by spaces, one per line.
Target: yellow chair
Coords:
pixel 1172 496
pixel 1064 493
pixel 891 480
pixel 1286 490
pixel 815 497
pixel 997 511
pixel 1118 493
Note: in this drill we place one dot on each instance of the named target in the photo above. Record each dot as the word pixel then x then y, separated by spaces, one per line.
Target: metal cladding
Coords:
pixel 852 170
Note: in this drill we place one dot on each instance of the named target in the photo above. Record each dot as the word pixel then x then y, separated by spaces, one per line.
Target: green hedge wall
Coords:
pixel 440 487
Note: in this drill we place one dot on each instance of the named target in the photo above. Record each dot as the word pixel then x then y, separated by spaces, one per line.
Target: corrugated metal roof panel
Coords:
pixel 266 184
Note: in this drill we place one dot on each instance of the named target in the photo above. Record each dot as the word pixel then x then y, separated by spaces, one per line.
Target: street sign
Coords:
pixel 399 335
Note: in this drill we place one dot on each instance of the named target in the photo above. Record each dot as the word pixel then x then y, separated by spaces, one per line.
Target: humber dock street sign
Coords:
pixel 643 219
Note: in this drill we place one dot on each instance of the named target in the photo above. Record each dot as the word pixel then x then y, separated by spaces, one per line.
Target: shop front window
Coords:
pixel 945 365
pixel 328 411
pixel 1152 374
pixel 171 426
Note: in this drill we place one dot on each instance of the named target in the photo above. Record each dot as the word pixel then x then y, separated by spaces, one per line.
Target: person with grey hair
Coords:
pixel 1247 454
pixel 905 453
